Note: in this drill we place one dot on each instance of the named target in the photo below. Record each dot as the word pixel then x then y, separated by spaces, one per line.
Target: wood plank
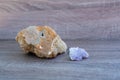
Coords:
pixel 103 63
pixel 81 19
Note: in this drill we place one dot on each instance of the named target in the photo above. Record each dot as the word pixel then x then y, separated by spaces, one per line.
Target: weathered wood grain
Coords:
pixel 103 63
pixel 72 19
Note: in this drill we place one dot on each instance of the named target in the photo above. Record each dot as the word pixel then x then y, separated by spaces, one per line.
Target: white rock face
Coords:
pixel 77 53
pixel 43 41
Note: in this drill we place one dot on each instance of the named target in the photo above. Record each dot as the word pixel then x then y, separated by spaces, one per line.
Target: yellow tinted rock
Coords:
pixel 43 41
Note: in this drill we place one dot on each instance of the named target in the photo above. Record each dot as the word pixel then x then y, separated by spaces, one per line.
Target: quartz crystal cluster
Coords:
pixel 76 53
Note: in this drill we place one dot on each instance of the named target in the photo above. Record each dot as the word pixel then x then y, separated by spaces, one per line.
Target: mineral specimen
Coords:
pixel 77 53
pixel 43 41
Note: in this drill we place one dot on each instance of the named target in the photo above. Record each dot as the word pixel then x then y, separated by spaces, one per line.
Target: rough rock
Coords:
pixel 43 41
pixel 76 53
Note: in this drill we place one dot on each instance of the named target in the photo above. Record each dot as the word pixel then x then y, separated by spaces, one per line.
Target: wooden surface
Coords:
pixel 103 63
pixel 81 19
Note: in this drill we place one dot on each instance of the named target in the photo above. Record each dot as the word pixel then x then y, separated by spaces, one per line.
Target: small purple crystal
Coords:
pixel 76 53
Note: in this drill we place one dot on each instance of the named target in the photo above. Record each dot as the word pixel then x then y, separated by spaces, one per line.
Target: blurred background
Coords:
pixel 72 19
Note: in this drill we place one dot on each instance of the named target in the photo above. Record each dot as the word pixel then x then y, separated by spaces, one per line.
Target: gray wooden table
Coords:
pixel 103 63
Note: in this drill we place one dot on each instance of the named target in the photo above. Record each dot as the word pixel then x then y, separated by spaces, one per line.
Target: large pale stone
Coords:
pixel 42 41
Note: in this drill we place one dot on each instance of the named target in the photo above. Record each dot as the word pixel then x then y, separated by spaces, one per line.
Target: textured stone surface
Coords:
pixel 76 53
pixel 41 40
